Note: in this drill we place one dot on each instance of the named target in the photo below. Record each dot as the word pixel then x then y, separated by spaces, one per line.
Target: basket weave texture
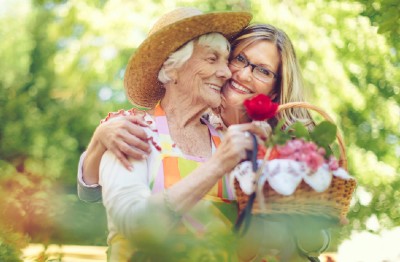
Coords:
pixel 334 202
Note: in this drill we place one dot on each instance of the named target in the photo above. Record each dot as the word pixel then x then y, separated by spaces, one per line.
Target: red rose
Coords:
pixel 260 107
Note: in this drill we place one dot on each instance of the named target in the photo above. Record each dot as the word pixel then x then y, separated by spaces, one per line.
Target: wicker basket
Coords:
pixel 333 203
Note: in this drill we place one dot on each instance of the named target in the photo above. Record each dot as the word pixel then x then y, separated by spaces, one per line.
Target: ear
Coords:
pixel 173 75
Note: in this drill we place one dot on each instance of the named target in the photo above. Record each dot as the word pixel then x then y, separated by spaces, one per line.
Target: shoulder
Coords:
pixel 151 130
pixel 118 113
pixel 147 116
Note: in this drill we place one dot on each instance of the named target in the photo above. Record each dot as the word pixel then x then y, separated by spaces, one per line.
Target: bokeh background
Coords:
pixel 61 70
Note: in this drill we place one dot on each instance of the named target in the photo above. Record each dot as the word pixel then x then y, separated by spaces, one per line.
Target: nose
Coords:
pixel 244 74
pixel 224 72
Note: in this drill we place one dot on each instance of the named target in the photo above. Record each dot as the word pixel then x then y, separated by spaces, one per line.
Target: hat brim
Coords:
pixel 140 81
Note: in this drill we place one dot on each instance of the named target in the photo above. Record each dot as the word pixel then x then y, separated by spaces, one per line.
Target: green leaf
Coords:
pixel 300 131
pixel 324 133
pixel 282 138
pixel 278 127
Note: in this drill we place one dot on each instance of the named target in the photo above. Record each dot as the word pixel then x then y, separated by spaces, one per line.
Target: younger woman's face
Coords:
pixel 243 84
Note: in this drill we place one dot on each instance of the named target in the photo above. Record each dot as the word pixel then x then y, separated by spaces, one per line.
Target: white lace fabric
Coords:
pixel 285 175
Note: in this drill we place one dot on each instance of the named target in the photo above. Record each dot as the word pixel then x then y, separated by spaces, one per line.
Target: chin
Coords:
pixel 233 98
pixel 214 103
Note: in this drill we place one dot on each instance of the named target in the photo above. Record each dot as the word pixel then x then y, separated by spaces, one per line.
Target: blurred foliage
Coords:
pixel 215 245
pixel 158 241
pixel 385 14
pixel 61 69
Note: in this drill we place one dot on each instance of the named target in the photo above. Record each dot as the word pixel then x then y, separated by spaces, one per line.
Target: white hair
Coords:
pixel 180 56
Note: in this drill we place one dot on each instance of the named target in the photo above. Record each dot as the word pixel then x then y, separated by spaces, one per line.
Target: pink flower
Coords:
pixel 311 146
pixel 302 151
pixel 321 151
pixel 286 150
pixel 291 147
pixel 315 161
pixel 296 144
pixel 333 163
pixel 260 107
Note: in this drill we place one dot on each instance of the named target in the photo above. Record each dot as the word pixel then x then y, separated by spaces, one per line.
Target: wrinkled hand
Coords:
pixel 265 127
pixel 233 148
pixel 125 137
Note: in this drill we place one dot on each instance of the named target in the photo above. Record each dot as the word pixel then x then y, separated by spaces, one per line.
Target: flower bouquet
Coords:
pixel 297 173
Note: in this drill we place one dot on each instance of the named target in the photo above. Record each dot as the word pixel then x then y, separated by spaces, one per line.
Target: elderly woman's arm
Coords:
pixel 87 193
pixel 125 137
pixel 231 151
pixel 127 196
pixel 125 193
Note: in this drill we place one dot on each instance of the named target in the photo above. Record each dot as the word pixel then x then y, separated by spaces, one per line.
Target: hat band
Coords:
pixel 141 108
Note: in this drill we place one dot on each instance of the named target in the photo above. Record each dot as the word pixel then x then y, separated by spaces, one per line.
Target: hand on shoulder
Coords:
pixel 123 133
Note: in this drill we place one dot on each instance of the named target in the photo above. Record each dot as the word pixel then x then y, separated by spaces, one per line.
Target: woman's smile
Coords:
pixel 239 88
pixel 215 87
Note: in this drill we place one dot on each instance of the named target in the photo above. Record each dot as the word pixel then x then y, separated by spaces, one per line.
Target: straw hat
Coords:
pixel 169 33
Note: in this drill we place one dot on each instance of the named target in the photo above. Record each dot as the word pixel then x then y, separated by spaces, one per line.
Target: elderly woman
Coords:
pixel 171 180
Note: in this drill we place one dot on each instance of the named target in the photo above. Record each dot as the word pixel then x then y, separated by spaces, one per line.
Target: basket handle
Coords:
pixel 342 150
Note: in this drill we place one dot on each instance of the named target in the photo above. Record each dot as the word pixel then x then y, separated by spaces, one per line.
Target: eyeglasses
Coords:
pixel 259 72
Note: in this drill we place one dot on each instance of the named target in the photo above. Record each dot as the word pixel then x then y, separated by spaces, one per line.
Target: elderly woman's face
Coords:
pixel 244 84
pixel 204 74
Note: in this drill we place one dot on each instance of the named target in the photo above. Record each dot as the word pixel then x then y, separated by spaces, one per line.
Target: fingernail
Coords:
pixel 144 156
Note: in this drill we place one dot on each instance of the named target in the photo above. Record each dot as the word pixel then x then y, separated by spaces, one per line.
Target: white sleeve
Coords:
pixel 92 193
pixel 80 172
pixel 87 193
pixel 124 192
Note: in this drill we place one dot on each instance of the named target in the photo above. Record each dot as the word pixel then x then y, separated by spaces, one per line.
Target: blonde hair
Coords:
pixel 183 54
pixel 289 85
